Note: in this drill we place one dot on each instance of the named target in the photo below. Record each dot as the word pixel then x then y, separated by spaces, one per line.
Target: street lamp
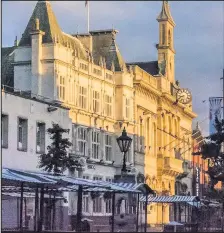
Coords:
pixel 124 143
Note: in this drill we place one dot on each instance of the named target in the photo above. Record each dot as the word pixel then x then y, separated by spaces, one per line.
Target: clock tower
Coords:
pixel 166 52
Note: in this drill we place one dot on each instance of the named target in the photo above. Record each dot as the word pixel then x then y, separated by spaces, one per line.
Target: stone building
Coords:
pixel 87 73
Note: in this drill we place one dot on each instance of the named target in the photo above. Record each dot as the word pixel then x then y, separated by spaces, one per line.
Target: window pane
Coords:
pixel 4 131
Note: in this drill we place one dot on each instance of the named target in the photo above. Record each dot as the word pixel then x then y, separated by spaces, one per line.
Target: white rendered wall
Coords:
pixel 34 111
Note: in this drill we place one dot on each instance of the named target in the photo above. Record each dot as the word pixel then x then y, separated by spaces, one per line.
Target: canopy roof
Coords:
pixel 171 199
pixel 65 183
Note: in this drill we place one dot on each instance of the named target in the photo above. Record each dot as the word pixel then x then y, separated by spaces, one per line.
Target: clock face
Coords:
pixel 184 96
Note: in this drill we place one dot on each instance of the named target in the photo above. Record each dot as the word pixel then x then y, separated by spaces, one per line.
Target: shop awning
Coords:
pixel 171 199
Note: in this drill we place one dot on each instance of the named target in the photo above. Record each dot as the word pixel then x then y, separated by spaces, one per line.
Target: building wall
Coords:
pixel 34 112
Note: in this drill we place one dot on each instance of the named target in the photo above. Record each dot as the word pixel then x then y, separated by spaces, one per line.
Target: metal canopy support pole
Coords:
pixel 54 212
pixel 36 210
pixel 40 222
pixel 25 214
pixel 79 208
pixel 175 211
pixel 146 211
pixel 137 212
pixel 21 209
pixel 113 212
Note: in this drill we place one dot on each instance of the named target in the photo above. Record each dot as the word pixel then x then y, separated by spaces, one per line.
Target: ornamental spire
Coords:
pixel 165 14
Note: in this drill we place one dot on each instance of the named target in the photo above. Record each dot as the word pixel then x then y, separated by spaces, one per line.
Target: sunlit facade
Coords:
pixel 86 72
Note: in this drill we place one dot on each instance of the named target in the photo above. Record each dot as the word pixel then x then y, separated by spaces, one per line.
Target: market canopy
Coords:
pixel 171 199
pixel 69 183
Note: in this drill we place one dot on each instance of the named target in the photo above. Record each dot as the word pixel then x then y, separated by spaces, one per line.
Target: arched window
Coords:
pixel 169 38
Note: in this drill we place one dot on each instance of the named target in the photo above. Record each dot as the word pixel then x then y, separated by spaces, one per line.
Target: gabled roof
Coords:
pixel 150 67
pixel 49 25
pixel 165 14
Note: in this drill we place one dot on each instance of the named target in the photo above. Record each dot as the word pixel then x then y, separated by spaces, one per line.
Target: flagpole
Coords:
pixel 88 16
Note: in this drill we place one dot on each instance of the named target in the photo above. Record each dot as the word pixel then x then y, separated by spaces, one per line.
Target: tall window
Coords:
pixel 97 202
pixel 22 134
pixel 108 147
pixel 108 105
pixel 40 143
pixel 62 87
pixel 96 101
pixel 108 202
pixel 5 130
pixel 163 34
pixel 81 140
pixel 95 144
pixel 127 104
pixel 82 97
pixel 169 38
pixel 141 139
pixel 85 205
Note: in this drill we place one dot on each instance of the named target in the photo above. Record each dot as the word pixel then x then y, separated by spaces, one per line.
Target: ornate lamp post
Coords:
pixel 124 143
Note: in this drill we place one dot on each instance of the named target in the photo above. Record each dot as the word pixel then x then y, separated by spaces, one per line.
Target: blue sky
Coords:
pixel 198 36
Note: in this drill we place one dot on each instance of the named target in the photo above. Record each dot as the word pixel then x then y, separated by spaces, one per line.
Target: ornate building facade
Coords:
pixel 87 73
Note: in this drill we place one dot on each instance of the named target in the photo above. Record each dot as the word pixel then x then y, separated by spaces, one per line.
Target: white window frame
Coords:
pixel 5 130
pixel 108 202
pixel 108 105
pixel 98 201
pixel 82 97
pixel 108 147
pixel 96 101
pixel 95 144
pixel 82 141
pixel 127 108
pixel 22 132
pixel 40 137
pixel 61 87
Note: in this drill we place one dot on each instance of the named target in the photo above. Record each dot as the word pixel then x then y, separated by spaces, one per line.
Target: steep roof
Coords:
pixel 165 14
pixel 104 45
pixel 150 67
pixel 7 67
pixel 49 25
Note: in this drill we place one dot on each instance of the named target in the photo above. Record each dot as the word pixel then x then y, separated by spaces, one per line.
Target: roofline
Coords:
pixel 97 32
pixel 34 99
pixel 141 62
pixel 106 31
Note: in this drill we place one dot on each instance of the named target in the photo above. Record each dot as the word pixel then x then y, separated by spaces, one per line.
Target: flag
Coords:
pixel 86 3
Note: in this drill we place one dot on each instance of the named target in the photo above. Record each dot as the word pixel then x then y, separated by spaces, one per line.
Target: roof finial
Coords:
pixel 165 14
pixel 16 42
pixel 37 24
